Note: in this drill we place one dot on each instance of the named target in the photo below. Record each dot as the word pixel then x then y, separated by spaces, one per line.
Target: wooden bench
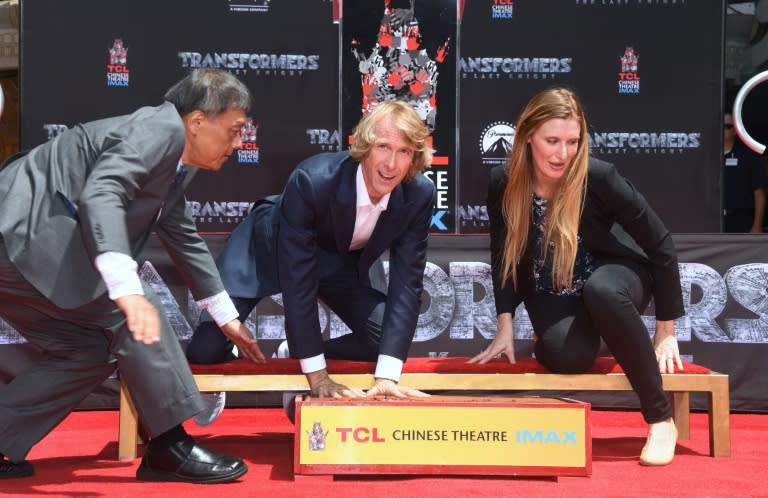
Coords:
pixel 441 374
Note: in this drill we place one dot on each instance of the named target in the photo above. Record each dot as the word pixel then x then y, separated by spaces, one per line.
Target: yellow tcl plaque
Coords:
pixel 443 435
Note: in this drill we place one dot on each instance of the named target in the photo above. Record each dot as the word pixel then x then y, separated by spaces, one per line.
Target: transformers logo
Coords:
pixel 621 142
pixel 398 68
pixel 328 140
pixel 514 67
pixel 474 216
pixel 230 212
pixel 290 63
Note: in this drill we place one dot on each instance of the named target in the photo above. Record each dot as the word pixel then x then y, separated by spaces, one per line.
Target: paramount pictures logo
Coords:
pixel 248 5
pixel 496 142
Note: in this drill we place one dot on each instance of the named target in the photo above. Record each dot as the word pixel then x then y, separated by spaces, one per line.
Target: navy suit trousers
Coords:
pixel 360 307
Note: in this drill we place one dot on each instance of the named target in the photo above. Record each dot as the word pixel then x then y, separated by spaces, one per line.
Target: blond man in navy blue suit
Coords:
pixel 323 238
pixel 74 214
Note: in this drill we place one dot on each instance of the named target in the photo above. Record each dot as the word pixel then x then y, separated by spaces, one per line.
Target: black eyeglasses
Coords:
pixel 728 126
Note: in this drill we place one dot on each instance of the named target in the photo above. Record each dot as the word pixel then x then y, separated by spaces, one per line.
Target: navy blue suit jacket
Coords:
pixel 291 241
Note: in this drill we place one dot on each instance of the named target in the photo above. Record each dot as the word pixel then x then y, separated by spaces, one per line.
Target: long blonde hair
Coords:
pixel 564 209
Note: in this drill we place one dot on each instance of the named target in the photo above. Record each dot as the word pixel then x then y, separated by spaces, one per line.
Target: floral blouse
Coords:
pixel 585 264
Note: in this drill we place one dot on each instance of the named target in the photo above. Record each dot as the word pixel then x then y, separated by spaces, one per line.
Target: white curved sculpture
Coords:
pixel 737 104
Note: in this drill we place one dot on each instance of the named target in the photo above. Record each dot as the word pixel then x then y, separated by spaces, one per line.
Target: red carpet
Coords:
pixel 78 460
pixel 452 364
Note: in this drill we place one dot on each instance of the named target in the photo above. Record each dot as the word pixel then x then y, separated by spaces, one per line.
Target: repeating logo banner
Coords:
pixel 660 133
pixel 118 73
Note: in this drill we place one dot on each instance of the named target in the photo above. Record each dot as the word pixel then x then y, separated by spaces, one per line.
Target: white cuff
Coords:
pixel 220 307
pixel 118 270
pixel 388 367
pixel 309 365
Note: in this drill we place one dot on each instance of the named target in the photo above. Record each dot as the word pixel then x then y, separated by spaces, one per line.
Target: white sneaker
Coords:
pixel 282 350
pixel 214 405
pixel 289 397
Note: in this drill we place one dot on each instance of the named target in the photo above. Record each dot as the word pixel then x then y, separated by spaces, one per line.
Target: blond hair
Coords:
pixel 405 119
pixel 564 209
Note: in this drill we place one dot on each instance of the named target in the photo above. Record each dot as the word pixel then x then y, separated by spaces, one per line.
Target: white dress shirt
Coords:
pixel 119 273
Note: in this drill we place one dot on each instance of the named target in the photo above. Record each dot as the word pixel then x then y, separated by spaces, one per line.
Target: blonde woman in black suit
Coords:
pixel 574 241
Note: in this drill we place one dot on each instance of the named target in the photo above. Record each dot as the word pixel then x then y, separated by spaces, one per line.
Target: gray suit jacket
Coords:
pixel 101 186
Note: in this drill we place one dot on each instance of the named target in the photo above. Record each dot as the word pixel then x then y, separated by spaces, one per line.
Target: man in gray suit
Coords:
pixel 74 214
pixel 324 238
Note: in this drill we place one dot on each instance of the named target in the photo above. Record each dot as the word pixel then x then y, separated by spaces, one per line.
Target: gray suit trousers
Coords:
pixel 82 347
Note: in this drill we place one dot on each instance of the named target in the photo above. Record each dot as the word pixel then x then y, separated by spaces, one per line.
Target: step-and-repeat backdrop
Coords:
pixel 649 72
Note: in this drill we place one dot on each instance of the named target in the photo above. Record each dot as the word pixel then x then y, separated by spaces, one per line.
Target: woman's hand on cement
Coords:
pixel 503 343
pixel 666 348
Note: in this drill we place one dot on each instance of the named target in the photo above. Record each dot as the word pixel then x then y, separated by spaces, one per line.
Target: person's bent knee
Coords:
pixel 208 345
pixel 201 356
pixel 565 362
pixel 90 360
pixel 599 294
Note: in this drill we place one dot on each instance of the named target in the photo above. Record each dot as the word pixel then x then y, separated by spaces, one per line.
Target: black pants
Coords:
pixel 361 308
pixel 738 220
pixel 569 329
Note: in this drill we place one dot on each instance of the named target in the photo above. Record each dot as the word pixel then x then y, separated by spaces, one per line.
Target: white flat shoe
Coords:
pixel 659 448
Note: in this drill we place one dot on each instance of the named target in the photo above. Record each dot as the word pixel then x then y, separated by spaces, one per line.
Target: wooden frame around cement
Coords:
pixel 678 385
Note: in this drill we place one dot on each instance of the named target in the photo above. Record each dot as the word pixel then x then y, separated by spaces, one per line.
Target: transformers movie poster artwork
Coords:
pixel 405 50
pixel 398 67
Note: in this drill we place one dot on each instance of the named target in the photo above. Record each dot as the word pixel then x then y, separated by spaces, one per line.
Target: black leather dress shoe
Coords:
pixel 10 470
pixel 187 461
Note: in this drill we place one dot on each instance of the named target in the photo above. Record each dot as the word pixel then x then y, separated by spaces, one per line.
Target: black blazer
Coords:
pixel 617 223
pixel 288 242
